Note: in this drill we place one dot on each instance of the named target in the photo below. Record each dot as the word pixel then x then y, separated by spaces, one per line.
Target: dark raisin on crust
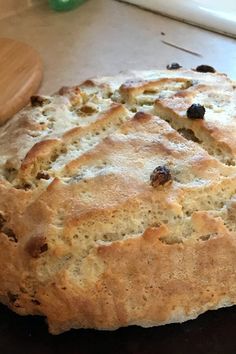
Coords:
pixel 160 176
pixel 36 246
pixel 38 101
pixel 205 69
pixel 196 111
pixel 42 175
pixel 173 66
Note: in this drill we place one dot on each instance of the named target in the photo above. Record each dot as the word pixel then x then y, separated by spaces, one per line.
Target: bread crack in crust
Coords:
pixel 116 208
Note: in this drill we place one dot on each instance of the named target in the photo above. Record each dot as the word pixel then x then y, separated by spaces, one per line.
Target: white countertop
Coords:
pixel 106 36
pixel 217 15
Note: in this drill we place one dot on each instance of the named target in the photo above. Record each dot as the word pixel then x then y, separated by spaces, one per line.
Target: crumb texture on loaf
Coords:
pixel 87 239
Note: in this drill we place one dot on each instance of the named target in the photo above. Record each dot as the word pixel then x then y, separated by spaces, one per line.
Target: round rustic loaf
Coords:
pixel 117 201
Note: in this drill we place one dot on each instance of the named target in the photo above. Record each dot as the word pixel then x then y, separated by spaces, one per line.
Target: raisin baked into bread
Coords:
pixel 118 201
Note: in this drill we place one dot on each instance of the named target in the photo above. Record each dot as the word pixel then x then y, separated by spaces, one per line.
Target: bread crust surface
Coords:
pixel 87 239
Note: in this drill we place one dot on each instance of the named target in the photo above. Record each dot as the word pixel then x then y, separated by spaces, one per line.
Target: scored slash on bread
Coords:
pixel 87 239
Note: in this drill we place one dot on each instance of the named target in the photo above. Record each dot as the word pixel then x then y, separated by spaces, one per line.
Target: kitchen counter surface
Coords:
pixel 105 36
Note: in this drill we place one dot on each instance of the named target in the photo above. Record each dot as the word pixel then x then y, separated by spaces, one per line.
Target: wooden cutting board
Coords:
pixel 21 72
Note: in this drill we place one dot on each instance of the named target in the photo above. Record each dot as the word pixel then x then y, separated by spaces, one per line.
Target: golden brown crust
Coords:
pixel 87 238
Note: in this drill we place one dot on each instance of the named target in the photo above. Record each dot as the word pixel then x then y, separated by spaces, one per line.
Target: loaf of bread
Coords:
pixel 117 201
